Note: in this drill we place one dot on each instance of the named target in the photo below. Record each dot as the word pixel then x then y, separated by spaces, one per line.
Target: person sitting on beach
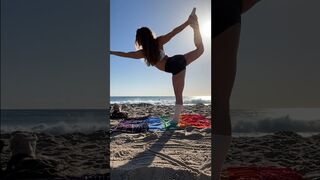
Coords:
pixel 23 162
pixel 117 113
pixel 151 49
pixel 1 147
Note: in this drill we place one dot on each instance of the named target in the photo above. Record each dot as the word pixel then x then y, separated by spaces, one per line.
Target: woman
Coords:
pixel 151 49
pixel 226 33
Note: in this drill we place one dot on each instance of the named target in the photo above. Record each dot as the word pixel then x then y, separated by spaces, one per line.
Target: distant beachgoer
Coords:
pixel 151 49
pixel 226 35
pixel 117 113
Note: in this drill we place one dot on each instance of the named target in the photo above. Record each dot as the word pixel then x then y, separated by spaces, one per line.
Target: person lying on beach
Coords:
pixel 151 49
pixel 117 113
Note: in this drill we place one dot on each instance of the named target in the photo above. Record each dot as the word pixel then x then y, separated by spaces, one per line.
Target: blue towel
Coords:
pixel 155 124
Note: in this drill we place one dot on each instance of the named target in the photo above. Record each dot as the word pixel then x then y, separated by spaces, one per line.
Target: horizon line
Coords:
pixel 155 96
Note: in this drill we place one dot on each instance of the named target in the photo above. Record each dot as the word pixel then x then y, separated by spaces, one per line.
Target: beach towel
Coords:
pixel 134 125
pixel 195 120
pixel 155 124
pixel 168 123
pixel 262 173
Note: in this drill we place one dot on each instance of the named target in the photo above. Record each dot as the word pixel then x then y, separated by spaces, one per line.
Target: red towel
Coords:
pixel 262 173
pixel 195 120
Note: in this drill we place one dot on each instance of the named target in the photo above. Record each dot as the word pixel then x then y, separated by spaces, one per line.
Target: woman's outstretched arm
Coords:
pixel 167 37
pixel 132 54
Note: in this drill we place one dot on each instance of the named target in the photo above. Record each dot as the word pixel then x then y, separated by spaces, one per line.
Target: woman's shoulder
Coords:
pixel 160 41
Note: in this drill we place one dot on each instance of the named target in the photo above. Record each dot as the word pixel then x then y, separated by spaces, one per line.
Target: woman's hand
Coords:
pixel 193 19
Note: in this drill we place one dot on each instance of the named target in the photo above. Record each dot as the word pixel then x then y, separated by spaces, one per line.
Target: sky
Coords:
pixel 53 54
pixel 279 57
pixel 132 77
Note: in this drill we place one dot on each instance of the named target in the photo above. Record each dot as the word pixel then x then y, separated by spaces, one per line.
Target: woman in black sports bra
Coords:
pixel 151 49
pixel 226 33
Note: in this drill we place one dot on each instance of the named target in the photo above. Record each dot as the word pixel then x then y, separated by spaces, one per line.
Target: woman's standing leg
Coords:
pixel 225 48
pixel 178 86
pixel 178 79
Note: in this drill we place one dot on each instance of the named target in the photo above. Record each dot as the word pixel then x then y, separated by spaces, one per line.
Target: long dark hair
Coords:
pixel 149 45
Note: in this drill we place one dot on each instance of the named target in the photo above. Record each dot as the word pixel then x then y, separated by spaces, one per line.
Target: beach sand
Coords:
pixel 70 155
pixel 178 154
pixel 184 153
pixel 281 149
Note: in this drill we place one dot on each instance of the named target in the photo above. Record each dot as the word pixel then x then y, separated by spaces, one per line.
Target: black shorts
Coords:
pixel 225 14
pixel 176 64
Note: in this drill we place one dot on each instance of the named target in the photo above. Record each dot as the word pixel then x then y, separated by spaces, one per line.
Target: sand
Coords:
pixel 180 154
pixel 282 149
pixel 185 153
pixel 175 154
pixel 69 155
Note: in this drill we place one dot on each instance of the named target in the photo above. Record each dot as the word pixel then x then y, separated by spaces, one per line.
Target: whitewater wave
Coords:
pixel 168 100
pixel 58 128
pixel 271 125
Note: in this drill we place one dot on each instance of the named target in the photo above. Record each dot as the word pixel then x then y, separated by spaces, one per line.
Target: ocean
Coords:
pixel 54 121
pixel 258 122
pixel 245 122
pixel 164 100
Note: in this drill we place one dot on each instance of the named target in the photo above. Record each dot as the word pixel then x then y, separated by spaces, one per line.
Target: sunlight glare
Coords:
pixel 205 29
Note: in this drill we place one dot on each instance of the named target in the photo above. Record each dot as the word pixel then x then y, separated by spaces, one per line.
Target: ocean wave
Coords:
pixel 159 100
pixel 58 128
pixel 270 125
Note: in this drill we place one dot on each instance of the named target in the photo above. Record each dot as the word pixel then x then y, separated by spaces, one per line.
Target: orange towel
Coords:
pixel 195 120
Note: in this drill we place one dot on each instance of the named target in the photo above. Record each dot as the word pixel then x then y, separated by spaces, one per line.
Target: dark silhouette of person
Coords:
pixel 226 33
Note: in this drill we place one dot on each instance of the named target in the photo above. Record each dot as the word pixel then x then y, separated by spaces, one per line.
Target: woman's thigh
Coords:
pixel 225 48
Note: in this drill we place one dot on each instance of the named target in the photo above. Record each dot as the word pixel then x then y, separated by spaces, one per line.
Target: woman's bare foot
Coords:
pixel 194 23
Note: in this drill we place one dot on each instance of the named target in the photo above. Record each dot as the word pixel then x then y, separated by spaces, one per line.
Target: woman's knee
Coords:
pixel 200 49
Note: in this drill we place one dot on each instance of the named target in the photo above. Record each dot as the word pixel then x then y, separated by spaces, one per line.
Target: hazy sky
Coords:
pixel 279 55
pixel 53 53
pixel 131 77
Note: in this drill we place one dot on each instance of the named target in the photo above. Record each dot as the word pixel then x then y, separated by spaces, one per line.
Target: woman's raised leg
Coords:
pixel 195 54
